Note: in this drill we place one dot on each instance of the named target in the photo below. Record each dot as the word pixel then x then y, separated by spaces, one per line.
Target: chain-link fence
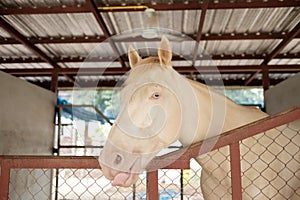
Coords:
pixel 269 169
pixel 65 184
pixel 89 184
pixel 270 166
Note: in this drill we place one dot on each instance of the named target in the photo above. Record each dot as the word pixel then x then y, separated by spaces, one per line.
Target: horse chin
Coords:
pixel 125 179
pixel 120 178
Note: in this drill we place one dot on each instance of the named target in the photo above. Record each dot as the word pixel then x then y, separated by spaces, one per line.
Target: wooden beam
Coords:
pixel 93 8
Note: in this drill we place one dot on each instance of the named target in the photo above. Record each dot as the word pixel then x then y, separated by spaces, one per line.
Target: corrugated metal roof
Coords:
pixel 220 21
pixel 39 3
pixel 25 66
pixel 251 20
pixel 53 25
pixel 15 50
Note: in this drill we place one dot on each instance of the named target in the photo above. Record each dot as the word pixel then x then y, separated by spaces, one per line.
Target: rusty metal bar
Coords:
pixel 4 179
pixel 121 71
pixel 235 169
pixel 80 59
pixel 54 81
pixel 191 5
pixel 99 38
pixel 200 27
pixel 11 30
pixel 287 39
pixel 46 10
pixel 93 8
pixel 234 136
pixel 78 162
pixel 265 77
pixel 152 185
pixel 7 27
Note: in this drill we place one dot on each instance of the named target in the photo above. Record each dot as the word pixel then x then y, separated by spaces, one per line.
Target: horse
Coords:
pixel 160 106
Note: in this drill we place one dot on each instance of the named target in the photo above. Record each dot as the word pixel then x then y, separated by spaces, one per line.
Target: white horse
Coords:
pixel 159 106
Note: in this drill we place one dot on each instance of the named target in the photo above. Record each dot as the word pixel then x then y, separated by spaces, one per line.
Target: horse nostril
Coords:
pixel 118 159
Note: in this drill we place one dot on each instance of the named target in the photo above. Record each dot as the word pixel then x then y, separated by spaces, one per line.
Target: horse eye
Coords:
pixel 155 96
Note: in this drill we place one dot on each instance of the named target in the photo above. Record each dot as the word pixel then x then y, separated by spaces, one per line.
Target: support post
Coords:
pixel 265 77
pixel 152 185
pixel 4 179
pixel 54 81
pixel 235 166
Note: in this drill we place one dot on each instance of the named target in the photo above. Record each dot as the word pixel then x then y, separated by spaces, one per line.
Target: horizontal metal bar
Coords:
pixel 70 162
pixel 100 38
pixel 80 59
pixel 190 5
pixel 233 136
pixel 80 147
pixel 121 71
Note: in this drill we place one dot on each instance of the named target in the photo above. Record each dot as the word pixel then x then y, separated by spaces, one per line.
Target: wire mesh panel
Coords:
pixel 84 184
pixel 215 176
pixel 27 184
pixel 191 181
pixel 271 164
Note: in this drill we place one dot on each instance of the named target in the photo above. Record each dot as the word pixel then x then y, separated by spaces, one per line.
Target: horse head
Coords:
pixel 150 117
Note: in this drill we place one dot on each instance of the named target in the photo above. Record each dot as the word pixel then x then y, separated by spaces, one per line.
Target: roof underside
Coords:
pixel 236 38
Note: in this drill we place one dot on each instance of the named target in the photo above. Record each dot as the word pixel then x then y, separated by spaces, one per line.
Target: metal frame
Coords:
pixel 82 8
pixel 120 71
pixel 286 40
pixel 91 7
pixel 231 138
pixel 100 38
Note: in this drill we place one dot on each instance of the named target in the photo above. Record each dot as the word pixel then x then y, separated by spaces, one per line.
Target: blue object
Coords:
pixel 163 195
pixel 79 113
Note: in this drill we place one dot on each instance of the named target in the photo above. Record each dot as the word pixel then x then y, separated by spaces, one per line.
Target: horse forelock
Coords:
pixel 146 70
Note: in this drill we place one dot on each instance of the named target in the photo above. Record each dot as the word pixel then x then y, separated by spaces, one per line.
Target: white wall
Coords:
pixel 26 120
pixel 26 128
pixel 283 96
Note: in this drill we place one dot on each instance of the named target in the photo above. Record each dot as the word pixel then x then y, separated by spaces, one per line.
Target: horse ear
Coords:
pixel 133 56
pixel 165 52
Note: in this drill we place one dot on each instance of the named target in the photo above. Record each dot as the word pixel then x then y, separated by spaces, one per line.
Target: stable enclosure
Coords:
pixel 51 134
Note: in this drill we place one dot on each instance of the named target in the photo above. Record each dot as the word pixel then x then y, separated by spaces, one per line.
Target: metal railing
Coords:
pixel 235 140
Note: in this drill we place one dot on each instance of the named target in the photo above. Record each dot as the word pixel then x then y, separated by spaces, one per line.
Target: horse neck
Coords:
pixel 219 114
